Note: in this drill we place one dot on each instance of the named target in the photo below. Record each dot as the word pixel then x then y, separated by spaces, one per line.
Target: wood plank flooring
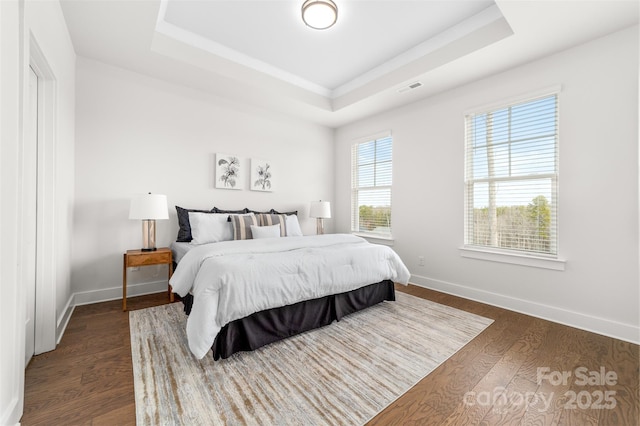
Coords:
pixel 494 380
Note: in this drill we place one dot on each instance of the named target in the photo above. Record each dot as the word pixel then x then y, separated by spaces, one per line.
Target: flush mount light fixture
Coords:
pixel 319 14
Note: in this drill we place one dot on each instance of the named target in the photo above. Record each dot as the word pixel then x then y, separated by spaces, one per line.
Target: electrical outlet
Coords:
pixel 420 260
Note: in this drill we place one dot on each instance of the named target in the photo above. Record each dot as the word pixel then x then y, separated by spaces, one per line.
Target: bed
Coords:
pixel 243 294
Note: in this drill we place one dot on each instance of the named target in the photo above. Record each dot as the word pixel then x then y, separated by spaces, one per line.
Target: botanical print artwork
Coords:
pixel 261 176
pixel 228 171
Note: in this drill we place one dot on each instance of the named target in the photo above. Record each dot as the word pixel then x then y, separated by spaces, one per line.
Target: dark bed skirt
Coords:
pixel 264 327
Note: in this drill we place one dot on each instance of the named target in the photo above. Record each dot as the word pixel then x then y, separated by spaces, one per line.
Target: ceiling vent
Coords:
pixel 411 86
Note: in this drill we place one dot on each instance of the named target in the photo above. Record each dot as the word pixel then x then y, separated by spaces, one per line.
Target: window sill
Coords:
pixel 513 258
pixel 376 239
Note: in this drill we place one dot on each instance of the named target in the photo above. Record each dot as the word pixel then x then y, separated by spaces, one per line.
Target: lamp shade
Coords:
pixel 320 209
pixel 149 206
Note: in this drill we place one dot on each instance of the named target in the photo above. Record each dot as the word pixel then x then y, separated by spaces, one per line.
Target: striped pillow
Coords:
pixel 242 225
pixel 274 219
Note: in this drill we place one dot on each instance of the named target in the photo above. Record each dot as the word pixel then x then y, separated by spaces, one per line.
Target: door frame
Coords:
pixel 29 209
pixel 45 300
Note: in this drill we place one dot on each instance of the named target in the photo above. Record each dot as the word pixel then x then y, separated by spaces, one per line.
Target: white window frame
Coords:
pixel 505 255
pixel 355 210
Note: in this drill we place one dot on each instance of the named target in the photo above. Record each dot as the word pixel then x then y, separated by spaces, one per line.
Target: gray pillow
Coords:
pixel 242 225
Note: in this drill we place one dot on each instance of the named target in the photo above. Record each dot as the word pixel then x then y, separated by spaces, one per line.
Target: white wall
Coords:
pixel 12 313
pixel 598 213
pixel 42 23
pixel 136 134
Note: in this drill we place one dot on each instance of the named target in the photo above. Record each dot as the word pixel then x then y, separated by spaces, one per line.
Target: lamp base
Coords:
pixel 148 235
pixel 319 226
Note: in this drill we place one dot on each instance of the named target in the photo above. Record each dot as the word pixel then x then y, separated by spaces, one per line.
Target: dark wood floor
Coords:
pixel 493 380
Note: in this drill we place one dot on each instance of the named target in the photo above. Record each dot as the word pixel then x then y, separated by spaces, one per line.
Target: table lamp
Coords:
pixel 321 210
pixel 149 208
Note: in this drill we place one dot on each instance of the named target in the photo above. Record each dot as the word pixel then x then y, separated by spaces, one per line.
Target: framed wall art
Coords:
pixel 261 175
pixel 228 171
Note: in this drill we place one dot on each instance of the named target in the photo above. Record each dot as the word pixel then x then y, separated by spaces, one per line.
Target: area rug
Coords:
pixel 342 374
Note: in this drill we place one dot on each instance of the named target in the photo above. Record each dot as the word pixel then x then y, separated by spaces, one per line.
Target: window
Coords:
pixel 371 167
pixel 511 177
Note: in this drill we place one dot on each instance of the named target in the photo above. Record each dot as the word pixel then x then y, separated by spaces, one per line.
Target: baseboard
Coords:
pixel 63 320
pixel 103 295
pixel 12 413
pixel 606 327
pixel 113 293
pixel 590 323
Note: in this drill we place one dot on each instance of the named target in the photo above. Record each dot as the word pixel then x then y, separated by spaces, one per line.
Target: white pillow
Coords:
pixel 293 226
pixel 210 227
pixel 271 231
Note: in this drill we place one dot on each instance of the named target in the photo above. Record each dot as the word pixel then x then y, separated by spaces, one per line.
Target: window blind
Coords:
pixel 371 179
pixel 511 177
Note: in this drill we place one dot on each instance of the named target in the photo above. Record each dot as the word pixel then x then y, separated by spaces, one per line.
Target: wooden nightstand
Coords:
pixel 145 258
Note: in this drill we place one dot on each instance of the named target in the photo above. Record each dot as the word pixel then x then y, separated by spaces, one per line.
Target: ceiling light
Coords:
pixel 319 14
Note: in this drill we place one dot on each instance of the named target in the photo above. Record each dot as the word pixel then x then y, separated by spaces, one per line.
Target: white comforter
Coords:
pixel 233 279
